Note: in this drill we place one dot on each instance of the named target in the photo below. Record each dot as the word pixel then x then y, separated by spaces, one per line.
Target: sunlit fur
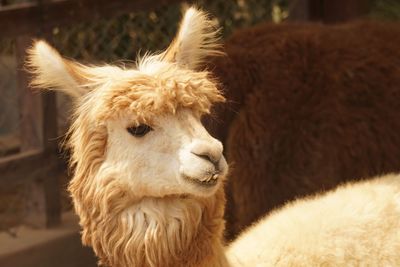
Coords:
pixel 137 206
pixel 357 224
pixel 196 40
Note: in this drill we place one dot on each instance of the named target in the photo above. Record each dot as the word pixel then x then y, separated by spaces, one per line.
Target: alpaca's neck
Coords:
pixel 156 232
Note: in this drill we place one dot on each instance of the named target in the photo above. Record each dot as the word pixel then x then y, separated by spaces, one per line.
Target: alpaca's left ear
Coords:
pixel 51 71
pixel 197 38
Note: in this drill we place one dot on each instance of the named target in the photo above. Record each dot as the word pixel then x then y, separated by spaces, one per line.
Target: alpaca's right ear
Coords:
pixel 197 38
pixel 51 71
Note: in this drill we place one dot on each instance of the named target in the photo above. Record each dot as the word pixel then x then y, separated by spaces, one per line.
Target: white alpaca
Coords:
pixel 148 178
pixel 355 225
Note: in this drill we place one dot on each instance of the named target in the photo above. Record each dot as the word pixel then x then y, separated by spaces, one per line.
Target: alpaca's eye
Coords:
pixel 140 130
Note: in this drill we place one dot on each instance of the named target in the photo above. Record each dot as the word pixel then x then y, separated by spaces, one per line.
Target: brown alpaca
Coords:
pixel 148 178
pixel 310 106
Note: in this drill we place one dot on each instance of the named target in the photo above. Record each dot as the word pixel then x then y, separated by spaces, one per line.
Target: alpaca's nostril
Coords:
pixel 208 157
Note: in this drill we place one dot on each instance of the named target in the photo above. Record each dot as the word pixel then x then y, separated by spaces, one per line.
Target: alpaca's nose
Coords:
pixel 210 150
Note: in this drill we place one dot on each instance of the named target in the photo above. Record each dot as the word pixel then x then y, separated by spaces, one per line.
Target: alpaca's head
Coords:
pixel 142 125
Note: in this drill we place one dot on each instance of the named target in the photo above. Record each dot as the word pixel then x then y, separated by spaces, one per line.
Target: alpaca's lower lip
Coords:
pixel 206 183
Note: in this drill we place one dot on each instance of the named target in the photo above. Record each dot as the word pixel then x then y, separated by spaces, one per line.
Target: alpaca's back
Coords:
pixel 354 225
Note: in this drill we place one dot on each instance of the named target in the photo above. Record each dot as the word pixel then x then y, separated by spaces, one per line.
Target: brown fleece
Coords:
pixel 310 106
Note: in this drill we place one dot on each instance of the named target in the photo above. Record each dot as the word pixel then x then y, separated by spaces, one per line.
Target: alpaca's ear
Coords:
pixel 51 71
pixel 197 38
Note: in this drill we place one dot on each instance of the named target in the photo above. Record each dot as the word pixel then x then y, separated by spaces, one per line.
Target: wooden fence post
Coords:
pixel 38 131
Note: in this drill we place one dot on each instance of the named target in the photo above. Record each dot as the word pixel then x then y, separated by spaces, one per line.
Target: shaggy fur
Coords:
pixel 354 225
pixel 123 228
pixel 201 44
pixel 310 106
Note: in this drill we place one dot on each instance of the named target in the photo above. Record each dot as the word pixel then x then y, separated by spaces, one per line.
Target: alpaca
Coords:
pixel 357 224
pixel 310 106
pixel 148 178
pixel 147 182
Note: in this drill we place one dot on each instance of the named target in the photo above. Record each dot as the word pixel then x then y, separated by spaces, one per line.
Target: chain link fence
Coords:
pixel 132 33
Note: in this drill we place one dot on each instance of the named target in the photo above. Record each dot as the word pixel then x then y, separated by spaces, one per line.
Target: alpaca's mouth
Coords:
pixel 210 181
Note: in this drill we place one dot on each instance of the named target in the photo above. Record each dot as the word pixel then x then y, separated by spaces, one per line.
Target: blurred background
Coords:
pixel 36 220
